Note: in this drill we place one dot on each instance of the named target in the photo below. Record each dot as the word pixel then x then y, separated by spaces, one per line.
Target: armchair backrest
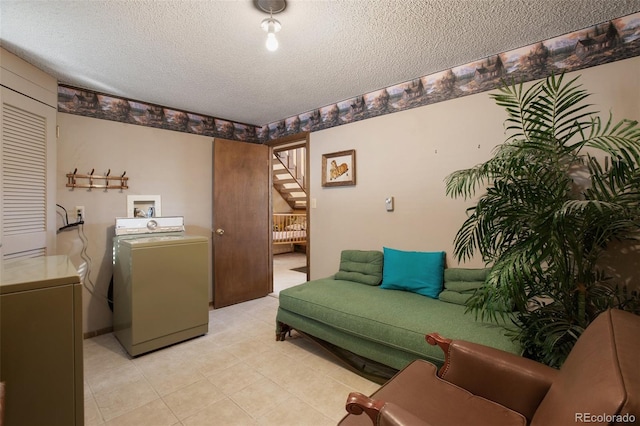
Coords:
pixel 599 383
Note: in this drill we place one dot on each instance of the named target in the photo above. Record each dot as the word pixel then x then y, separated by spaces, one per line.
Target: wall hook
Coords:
pixel 73 177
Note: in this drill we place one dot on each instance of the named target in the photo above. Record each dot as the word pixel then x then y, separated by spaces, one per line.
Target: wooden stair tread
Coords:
pixel 290 190
pixel 295 196
pixel 283 181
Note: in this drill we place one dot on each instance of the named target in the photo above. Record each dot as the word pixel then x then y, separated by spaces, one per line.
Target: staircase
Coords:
pixel 288 179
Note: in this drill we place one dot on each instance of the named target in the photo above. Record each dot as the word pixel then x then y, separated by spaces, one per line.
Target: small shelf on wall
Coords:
pixel 75 180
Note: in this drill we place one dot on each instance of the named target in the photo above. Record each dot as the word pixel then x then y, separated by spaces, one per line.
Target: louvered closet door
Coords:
pixel 28 177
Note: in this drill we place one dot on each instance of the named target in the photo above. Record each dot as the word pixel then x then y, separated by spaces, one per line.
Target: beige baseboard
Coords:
pixel 90 334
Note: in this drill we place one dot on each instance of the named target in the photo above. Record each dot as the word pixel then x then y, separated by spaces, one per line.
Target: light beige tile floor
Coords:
pixel 283 274
pixel 237 374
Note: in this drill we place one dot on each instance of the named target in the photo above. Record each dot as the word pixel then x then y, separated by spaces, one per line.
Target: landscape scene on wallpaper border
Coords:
pixel 91 104
pixel 599 44
pixel 607 42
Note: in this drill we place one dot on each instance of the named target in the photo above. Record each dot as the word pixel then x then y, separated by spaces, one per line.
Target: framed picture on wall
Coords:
pixel 339 168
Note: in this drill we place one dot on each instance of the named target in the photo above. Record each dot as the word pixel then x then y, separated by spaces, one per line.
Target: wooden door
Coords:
pixel 241 222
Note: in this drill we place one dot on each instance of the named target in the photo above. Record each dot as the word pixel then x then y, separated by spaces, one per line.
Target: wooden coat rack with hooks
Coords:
pixel 72 180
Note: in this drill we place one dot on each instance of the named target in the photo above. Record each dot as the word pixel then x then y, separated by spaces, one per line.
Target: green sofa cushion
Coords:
pixel 418 272
pixel 461 283
pixel 465 274
pixel 459 298
pixel 396 320
pixel 361 266
pixel 462 286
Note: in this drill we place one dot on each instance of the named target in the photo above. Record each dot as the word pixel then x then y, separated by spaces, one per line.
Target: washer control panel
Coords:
pixel 143 225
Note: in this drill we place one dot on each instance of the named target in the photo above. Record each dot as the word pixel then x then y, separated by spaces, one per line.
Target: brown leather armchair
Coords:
pixel 599 383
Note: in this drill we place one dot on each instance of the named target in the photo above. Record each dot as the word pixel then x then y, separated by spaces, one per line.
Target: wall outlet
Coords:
pixel 80 214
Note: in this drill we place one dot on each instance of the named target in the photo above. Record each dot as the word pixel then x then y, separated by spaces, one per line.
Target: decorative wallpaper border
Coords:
pixel 599 44
pixel 97 105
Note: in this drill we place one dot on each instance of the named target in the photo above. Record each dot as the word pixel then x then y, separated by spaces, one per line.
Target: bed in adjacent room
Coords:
pixel 289 231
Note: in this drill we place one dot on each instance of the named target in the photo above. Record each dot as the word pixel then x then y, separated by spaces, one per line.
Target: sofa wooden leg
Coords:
pixel 281 331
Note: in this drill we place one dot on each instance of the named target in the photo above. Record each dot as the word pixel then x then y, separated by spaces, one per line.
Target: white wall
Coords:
pixel 408 155
pixel 396 156
pixel 176 166
pixel 279 205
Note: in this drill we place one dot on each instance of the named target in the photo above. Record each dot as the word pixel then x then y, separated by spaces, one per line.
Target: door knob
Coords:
pixel 219 231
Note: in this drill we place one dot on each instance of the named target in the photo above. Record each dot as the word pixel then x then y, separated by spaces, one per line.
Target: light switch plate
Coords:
pixel 388 202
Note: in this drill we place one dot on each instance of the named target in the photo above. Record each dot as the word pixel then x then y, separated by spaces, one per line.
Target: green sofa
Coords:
pixel 351 311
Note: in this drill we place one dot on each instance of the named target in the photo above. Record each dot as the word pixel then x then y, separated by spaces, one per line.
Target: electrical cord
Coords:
pixel 87 261
pixel 83 253
pixel 85 268
pixel 66 222
pixel 68 225
pixel 65 219
pixel 71 225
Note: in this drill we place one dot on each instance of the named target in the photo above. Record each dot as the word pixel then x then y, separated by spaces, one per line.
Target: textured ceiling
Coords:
pixel 209 57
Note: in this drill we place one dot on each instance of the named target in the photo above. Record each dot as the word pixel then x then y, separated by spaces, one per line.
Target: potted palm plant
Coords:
pixel 562 187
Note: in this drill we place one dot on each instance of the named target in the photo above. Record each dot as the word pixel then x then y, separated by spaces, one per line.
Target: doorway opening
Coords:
pixel 289 212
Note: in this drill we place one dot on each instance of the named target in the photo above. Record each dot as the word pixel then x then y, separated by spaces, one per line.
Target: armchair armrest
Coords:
pixel 513 381
pixel 380 412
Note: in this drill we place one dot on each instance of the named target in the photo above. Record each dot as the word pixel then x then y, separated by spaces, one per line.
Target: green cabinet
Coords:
pixel 41 342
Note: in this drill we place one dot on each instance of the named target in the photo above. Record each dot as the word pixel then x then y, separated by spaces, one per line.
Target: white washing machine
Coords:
pixel 160 283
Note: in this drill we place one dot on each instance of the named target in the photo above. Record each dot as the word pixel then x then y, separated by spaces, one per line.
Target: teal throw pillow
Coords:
pixel 415 271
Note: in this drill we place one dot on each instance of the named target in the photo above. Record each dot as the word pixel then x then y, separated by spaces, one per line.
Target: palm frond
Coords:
pixel 619 140
pixel 549 210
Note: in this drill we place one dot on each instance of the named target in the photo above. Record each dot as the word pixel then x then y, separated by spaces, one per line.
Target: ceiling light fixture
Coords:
pixel 270 24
